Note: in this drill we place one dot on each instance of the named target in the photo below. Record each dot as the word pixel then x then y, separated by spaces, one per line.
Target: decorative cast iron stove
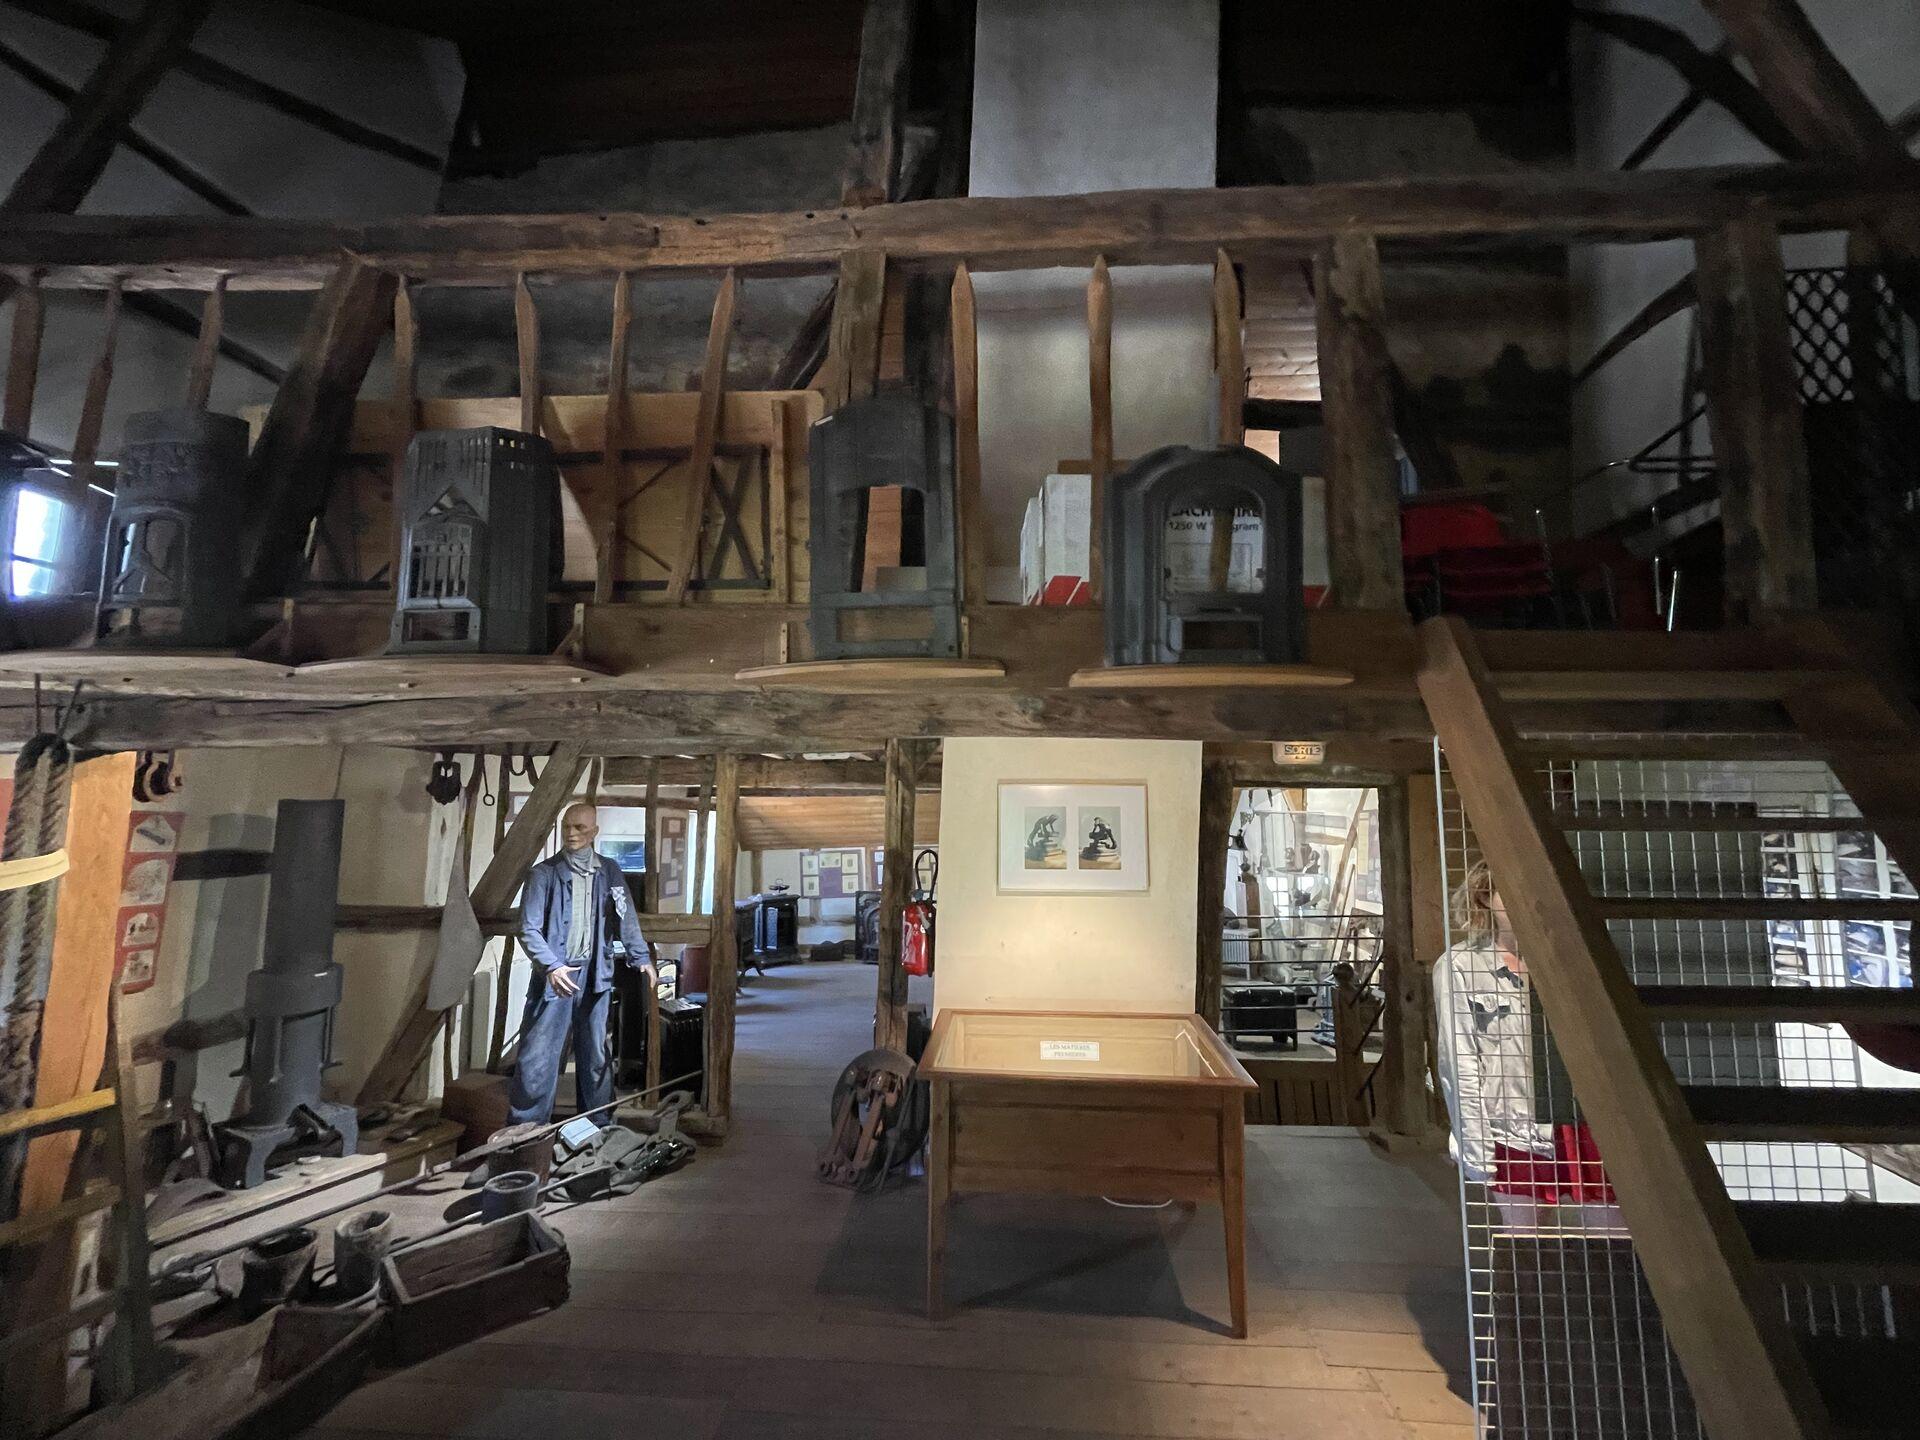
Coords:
pixel 1170 602
pixel 889 438
pixel 169 577
pixel 476 556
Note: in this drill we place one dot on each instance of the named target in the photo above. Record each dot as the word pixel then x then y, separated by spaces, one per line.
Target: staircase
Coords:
pixel 1651 924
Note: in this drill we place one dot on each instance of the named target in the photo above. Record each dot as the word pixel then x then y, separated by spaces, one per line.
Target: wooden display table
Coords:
pixel 1131 1107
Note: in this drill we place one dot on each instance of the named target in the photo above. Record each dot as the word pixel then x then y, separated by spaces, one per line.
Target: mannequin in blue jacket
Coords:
pixel 571 946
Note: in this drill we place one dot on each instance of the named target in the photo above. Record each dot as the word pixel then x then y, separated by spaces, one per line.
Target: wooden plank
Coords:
pixel 853 337
pixel 63 170
pixel 1401 1096
pixel 706 433
pixel 1771 1004
pixel 1229 352
pixel 779 502
pixel 879 98
pixel 1746 1375
pixel 1753 408
pixel 206 348
pixel 971 522
pixel 610 549
pixel 1100 421
pixel 93 407
pixel 1217 795
pixel 290 469
pixel 1129 227
pixel 904 759
pixel 61 1115
pixel 723 961
pixel 1363 477
pixel 406 384
pixel 23 357
pixel 131 1361
pixel 73 1046
pixel 526 349
pixel 491 893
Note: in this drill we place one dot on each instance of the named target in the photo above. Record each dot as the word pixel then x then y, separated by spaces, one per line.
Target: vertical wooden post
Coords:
pixel 23 357
pixel 971 524
pixel 1349 1040
pixel 706 435
pixel 526 334
pixel 1229 351
pixel 1356 393
pixel 904 761
pixel 1754 411
pixel 613 443
pixel 406 416
pixel 93 408
pixel 853 335
pixel 779 506
pixel 1401 1103
pixel 879 96
pixel 1100 422
pixel 1217 795
pixel 206 349
pixel 723 963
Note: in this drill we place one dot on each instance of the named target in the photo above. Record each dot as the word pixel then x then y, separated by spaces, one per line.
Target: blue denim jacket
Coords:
pixel 546 907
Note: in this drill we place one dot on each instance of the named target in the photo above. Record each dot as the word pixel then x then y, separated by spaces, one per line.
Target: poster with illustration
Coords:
pixel 153 844
pixel 1073 839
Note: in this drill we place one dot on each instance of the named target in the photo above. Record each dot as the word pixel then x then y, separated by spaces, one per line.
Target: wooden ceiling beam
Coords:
pixel 1128 227
pixel 66 166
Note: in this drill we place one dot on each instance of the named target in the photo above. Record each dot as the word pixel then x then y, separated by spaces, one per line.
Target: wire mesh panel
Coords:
pixel 1855 349
pixel 1567 1337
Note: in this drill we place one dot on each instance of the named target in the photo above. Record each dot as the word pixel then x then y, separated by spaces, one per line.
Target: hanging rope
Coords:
pixel 36 828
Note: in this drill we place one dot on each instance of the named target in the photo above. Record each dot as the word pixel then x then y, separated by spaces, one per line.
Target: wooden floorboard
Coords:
pixel 741 1299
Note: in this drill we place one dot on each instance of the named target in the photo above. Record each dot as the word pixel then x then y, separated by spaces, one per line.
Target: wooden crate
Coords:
pixel 470 1283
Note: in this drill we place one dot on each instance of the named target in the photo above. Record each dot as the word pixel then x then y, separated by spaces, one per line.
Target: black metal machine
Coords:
pixel 889 438
pixel 169 576
pixel 1258 1013
pixel 478 506
pixel 1175 596
pixel 290 1006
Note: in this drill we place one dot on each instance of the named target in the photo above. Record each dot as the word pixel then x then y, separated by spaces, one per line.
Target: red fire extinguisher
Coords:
pixel 916 921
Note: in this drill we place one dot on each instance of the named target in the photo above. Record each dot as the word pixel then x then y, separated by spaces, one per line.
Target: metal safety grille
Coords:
pixel 1567 1339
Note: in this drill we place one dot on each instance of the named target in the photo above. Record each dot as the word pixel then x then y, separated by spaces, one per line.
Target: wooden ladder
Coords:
pixel 1713 1266
pixel 130 1358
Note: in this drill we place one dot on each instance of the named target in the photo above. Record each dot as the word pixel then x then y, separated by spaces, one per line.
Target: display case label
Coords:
pixel 1069 1049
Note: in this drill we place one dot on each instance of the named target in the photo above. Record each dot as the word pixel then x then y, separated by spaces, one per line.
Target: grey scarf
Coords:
pixel 581 865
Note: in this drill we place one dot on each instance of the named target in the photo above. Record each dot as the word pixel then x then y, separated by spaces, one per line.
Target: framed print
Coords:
pixel 1073 839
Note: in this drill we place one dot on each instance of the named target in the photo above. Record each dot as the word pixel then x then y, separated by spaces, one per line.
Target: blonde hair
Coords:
pixel 1474 922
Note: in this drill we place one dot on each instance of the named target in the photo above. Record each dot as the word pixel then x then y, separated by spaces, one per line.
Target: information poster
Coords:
pixel 153 844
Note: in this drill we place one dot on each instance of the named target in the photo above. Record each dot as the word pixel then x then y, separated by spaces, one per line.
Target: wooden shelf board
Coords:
pixel 449 676
pixel 146 672
pixel 1209 677
pixel 866 675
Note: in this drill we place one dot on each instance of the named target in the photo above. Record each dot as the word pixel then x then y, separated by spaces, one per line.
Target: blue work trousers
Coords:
pixel 543 1047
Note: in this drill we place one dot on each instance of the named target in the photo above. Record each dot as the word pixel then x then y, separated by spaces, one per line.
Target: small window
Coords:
pixel 41 541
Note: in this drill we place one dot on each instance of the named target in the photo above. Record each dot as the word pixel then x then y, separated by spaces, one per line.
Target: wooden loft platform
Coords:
pixel 658 681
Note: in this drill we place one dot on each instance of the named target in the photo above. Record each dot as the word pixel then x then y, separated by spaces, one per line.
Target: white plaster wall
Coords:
pixel 1123 952
pixel 1619 95
pixel 392 80
pixel 1075 97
